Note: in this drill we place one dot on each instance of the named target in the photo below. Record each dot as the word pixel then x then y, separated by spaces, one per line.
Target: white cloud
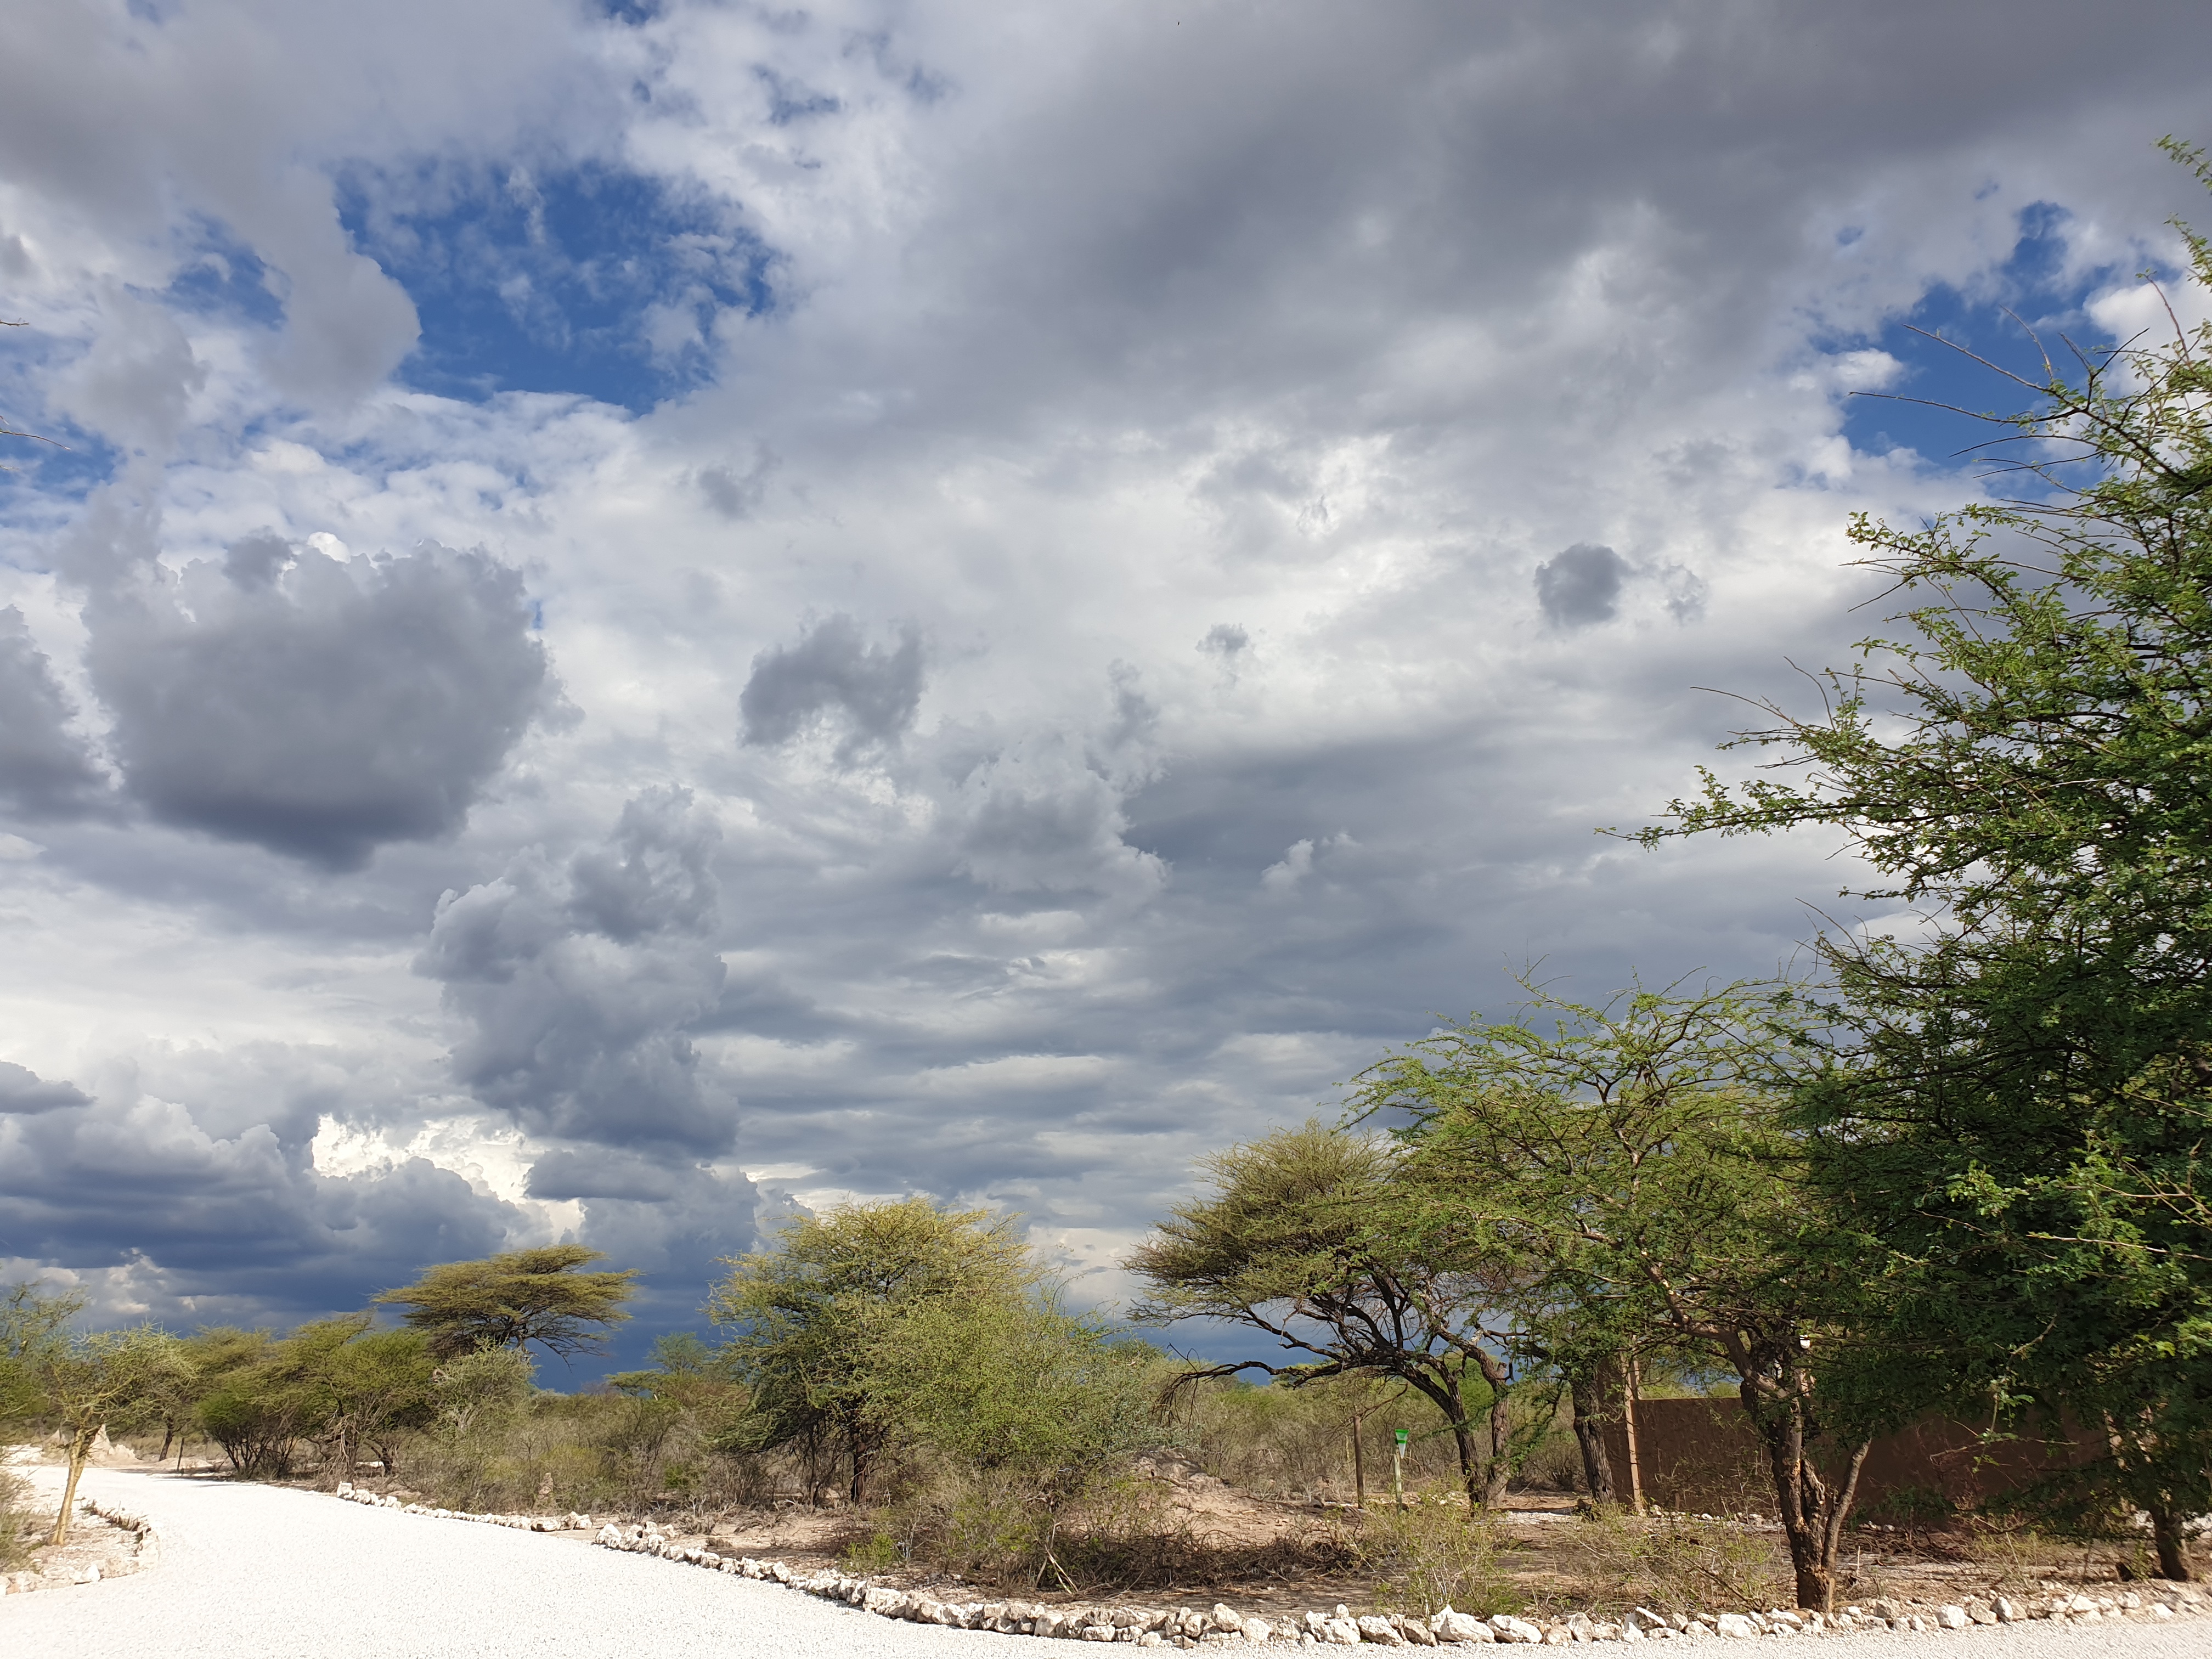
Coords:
pixel 1122 486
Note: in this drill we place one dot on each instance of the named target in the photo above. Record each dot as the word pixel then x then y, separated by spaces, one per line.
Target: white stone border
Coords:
pixel 570 1523
pixel 145 1551
pixel 1188 1627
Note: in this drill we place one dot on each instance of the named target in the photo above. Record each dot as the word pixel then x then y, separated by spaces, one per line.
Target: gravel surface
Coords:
pixel 263 1572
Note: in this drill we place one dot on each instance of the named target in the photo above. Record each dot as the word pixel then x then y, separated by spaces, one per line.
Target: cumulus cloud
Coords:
pixel 318 706
pixel 1581 586
pixel 44 772
pixel 581 983
pixel 833 674
pixel 1081 343
pixel 194 1225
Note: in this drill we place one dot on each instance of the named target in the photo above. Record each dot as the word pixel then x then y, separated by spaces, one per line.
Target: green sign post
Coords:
pixel 1398 1438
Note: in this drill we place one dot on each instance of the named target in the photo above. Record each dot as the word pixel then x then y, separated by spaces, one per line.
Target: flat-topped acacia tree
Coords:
pixel 516 1299
pixel 1308 1237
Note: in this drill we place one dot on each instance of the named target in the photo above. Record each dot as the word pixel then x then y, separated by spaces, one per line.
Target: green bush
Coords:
pixel 1435 1554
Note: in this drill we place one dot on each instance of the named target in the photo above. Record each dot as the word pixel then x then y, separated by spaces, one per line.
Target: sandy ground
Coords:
pixel 249 1571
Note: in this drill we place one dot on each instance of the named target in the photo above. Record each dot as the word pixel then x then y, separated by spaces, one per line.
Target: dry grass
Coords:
pixel 1614 1561
pixel 19 1524
pixel 1433 1553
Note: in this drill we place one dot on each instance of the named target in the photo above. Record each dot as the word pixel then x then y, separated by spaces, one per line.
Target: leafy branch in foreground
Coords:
pixel 2017 1109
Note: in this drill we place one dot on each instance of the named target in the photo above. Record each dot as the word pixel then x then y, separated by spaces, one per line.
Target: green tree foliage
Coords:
pixel 802 1316
pixel 1308 1237
pixel 31 1323
pixel 1032 1408
pixel 90 1380
pixel 2019 1105
pixel 335 1384
pixel 1630 1169
pixel 514 1299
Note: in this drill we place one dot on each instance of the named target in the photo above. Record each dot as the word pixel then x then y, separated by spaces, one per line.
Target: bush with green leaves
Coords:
pixel 1008 1420
pixel 1435 1552
pixel 803 1314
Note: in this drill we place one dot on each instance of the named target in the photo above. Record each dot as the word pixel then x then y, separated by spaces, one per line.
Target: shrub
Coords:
pixel 1616 1561
pixel 17 1520
pixel 1435 1554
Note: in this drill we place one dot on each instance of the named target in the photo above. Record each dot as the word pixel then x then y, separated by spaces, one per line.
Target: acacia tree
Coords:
pixel 2019 1106
pixel 90 1380
pixel 514 1299
pixel 1633 1165
pixel 804 1315
pixel 1306 1238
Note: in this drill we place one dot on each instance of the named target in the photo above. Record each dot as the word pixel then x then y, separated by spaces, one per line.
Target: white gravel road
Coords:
pixel 260 1572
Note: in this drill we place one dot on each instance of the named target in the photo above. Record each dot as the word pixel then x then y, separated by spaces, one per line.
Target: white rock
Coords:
pixel 1343 1632
pixel 1507 1628
pixel 2160 1610
pixel 1257 1628
pixel 1952 1618
pixel 1736 1627
pixel 1374 1629
pixel 1451 1626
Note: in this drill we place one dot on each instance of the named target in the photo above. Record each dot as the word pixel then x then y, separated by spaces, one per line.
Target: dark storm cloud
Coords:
pixel 832 673
pixel 320 707
pixel 581 982
pixel 1581 586
pixel 211 1225
pixel 44 772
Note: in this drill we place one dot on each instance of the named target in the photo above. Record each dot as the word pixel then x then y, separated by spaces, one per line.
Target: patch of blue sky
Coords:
pixel 222 276
pixel 2032 304
pixel 588 279
pixel 53 457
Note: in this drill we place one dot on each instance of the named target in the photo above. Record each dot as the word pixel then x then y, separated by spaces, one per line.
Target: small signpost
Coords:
pixel 1398 1467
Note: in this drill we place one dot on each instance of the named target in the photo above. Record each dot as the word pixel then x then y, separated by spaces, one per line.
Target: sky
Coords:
pixel 645 616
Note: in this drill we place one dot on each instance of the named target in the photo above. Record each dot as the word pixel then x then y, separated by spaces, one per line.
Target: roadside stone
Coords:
pixel 1342 1632
pixel 1736 1627
pixel 1507 1628
pixel 1376 1629
pixel 1450 1626
pixel 1417 1634
pixel 2008 1612
pixel 1952 1617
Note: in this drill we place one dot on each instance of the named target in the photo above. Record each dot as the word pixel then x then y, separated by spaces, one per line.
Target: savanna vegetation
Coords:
pixel 1953 1173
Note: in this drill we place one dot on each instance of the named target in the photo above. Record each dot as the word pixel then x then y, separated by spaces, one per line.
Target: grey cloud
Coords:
pixel 1224 640
pixel 222 1222
pixel 1581 586
pixel 136 382
pixel 737 492
pixel 323 707
pixel 22 1089
pixel 44 772
pixel 834 672
pixel 581 984
pixel 1036 818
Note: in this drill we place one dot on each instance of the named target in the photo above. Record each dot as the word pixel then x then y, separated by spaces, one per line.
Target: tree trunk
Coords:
pixel 1359 1463
pixel 1442 1392
pixel 80 1449
pixel 1587 1402
pixel 1630 1427
pixel 2166 1531
pixel 1499 1466
pixel 1812 1512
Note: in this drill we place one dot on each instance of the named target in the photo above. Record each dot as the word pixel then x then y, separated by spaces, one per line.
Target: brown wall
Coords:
pixel 1701 1455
